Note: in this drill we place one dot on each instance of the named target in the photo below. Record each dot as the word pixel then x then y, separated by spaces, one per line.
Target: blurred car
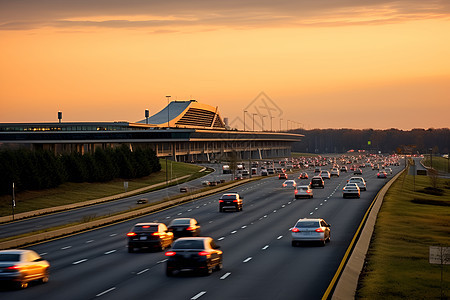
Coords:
pixel 359 181
pixel 142 201
pixel 357 171
pixel 184 227
pixel 303 175
pixel 149 235
pixel 231 200
pixel 282 176
pixel 382 174
pixel 388 170
pixel 344 169
pixel 304 191
pixel 311 230
pixel 264 173
pixel 317 170
pixel 289 183
pixel 20 267
pixel 184 189
pixel 335 172
pixel 351 190
pixel 317 181
pixel 197 254
pixel 325 174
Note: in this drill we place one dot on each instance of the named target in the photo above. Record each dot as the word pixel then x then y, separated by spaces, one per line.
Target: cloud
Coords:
pixel 161 15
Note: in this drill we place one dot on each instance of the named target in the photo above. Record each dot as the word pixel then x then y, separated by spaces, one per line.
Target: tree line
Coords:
pixel 387 141
pixel 36 170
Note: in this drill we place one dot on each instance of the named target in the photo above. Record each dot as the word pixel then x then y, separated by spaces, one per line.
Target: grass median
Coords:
pixel 69 193
pixel 413 217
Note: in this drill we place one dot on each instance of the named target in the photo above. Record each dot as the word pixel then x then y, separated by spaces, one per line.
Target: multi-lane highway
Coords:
pixel 259 261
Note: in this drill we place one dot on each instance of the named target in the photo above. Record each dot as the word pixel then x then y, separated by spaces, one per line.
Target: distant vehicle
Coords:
pixel 184 189
pixel 231 201
pixel 254 170
pixel 303 175
pixel 245 173
pixel 142 201
pixel 205 182
pixel 388 170
pixel 195 254
pixel 282 176
pixel 264 173
pixel 149 235
pixel 289 183
pixel 317 181
pixel 357 171
pixel 304 191
pixel 382 174
pixel 20 267
pixel 317 170
pixel 181 227
pixel 226 169
pixel 238 176
pixel 359 181
pixel 325 174
pixel 279 170
pixel 240 166
pixel 351 190
pixel 344 169
pixel 335 172
pixel 270 171
pixel 311 230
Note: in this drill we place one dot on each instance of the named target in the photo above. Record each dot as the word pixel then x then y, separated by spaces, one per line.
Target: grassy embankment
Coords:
pixel 439 163
pixel 411 220
pixel 69 193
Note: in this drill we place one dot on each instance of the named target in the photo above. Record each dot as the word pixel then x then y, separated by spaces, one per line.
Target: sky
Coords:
pixel 279 64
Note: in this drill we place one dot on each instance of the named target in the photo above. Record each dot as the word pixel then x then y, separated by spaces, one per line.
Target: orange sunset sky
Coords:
pixel 320 64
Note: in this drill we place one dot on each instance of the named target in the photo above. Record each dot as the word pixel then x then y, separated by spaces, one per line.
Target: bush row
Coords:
pixel 35 170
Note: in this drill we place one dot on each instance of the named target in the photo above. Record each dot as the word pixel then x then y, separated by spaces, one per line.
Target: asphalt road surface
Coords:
pixel 259 261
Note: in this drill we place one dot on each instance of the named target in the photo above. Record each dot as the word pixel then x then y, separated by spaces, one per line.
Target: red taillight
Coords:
pixel 170 253
pixel 235 201
pixel 13 268
pixel 146 226
pixel 308 191
pixel 157 233
pixel 296 191
pixel 220 201
pixel 295 229
pixel 203 253
pixel 319 230
pixel 131 233
pixel 190 228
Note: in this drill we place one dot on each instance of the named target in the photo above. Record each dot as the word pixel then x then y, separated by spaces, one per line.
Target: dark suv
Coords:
pixel 317 181
pixel 149 235
pixel 230 201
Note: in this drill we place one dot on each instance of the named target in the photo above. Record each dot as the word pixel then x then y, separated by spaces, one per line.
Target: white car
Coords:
pixel 335 172
pixel 290 183
pixel 304 191
pixel 351 190
pixel 311 230
pixel 359 181
pixel 325 174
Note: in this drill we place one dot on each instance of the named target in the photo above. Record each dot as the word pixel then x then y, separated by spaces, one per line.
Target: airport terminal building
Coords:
pixel 182 131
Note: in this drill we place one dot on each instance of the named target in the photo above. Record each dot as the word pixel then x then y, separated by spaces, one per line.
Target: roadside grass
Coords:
pixel 439 163
pixel 409 222
pixel 69 193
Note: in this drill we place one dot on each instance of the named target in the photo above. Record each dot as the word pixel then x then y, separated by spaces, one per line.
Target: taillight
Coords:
pixel 203 253
pixel 170 253
pixel 319 230
pixel 220 201
pixel 296 191
pixel 131 233
pixel 295 229
pixel 235 201
pixel 308 191
pixel 190 228
pixel 13 268
pixel 156 233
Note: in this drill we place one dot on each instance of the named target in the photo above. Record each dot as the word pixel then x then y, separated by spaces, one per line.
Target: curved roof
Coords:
pixel 186 114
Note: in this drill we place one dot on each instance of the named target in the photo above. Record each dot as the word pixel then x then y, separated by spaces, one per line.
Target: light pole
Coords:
pixel 262 123
pixel 168 126
pixel 254 121
pixel 244 118
pixel 271 119
pixel 281 119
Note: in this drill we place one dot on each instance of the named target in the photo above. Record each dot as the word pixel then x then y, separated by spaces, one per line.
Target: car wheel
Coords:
pixel 45 278
pixel 22 284
pixel 208 271
pixel 219 266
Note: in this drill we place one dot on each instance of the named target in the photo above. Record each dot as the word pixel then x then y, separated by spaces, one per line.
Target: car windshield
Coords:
pixel 188 244
pixel 9 257
pixel 308 224
pixel 228 197
pixel 145 228
pixel 181 222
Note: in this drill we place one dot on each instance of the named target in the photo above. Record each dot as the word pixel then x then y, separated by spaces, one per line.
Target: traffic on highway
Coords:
pixel 265 242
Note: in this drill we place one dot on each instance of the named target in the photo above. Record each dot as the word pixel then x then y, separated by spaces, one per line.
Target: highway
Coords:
pixel 259 261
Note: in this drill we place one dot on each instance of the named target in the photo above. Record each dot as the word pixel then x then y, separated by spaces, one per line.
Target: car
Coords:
pixel 351 190
pixel 184 189
pixel 325 174
pixel 231 201
pixel 357 171
pixel 317 181
pixel 205 182
pixel 344 169
pixel 304 191
pixel 317 170
pixel 381 174
pixel 142 201
pixel 359 181
pixel 388 170
pixel 270 171
pixel 195 254
pixel 239 176
pixel 149 235
pixel 303 175
pixel 311 230
pixel 181 227
pixel 282 176
pixel 19 267
pixel 334 172
pixel 289 183
pixel 264 173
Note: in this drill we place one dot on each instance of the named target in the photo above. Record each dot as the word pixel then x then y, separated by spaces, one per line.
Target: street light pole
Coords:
pixel 262 123
pixel 244 118
pixel 168 126
pixel 271 119
pixel 281 119
pixel 254 121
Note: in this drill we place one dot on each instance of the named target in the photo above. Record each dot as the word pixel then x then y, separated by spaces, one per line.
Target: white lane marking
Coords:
pixel 198 207
pixel 109 252
pixel 225 276
pixel 265 247
pixel 321 204
pixel 79 261
pixel 221 238
pixel 168 217
pixel 90 241
pixel 234 231
pixel 65 248
pixel 248 259
pixel 143 271
pixel 316 208
pixel 198 295
pixel 289 202
pixel 265 216
pixel 42 254
pixel 311 213
pixel 113 234
pixel 284 205
pixel 245 226
pixel 190 209
pixel 280 237
pixel 104 292
pixel 275 211
pixel 179 214
pixel 161 261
